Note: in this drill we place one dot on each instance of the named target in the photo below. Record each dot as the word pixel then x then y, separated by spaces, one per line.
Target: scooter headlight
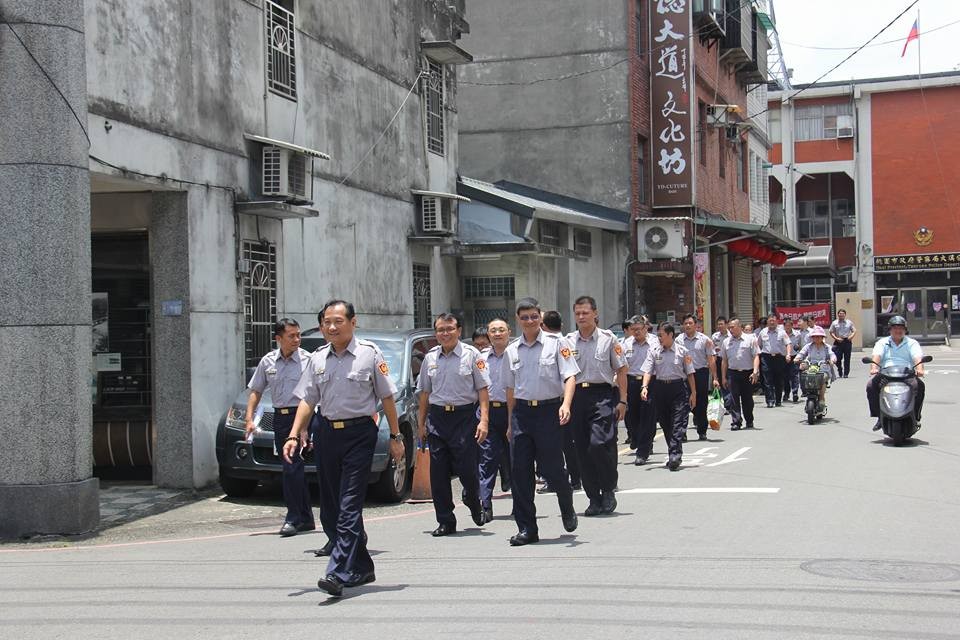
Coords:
pixel 895 389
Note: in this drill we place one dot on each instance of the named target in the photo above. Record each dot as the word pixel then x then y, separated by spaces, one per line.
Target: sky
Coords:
pixel 803 24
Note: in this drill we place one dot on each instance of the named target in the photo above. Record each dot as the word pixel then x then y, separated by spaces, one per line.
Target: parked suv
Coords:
pixel 243 466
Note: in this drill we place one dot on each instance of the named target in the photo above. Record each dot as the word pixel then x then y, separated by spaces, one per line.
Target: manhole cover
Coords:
pixel 255 523
pixel 882 570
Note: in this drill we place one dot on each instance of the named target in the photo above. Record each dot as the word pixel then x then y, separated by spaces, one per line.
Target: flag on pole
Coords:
pixel 914 35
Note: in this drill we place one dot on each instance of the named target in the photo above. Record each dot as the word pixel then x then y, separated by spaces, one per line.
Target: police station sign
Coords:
pixel 671 84
pixel 917 262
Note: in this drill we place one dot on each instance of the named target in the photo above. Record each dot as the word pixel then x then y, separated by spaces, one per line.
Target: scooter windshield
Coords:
pixel 895 371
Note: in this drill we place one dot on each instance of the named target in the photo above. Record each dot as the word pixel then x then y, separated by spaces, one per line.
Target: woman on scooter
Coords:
pixel 818 351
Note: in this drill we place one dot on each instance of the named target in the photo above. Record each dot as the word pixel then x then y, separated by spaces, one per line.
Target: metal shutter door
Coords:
pixel 743 290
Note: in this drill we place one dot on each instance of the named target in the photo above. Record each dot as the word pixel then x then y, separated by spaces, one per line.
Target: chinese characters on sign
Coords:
pixel 917 262
pixel 670 90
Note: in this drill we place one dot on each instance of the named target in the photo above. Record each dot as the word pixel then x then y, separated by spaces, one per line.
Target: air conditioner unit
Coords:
pixel 843 279
pixel 719 115
pixel 285 173
pixel 435 215
pixel 661 240
pixel 844 126
pixel 732 133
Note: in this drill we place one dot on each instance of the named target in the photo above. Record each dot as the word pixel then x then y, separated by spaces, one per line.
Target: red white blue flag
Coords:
pixel 914 35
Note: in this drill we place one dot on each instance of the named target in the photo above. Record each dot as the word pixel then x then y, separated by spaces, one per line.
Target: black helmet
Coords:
pixel 897 320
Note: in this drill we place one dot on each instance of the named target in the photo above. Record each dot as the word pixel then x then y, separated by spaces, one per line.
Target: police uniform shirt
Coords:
pixel 773 342
pixel 346 386
pixel 804 337
pixel 842 329
pixel 699 347
pixel 494 365
pixel 739 352
pixel 718 339
pixel 813 353
pixel 281 375
pixel 795 339
pixel 668 364
pixel 599 356
pixel 537 371
pixel 453 378
pixel 636 353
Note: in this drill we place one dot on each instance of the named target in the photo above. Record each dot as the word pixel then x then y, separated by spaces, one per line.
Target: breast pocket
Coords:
pixel 548 365
pixel 359 376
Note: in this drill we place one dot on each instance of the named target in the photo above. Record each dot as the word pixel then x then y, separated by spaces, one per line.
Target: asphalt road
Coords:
pixel 787 531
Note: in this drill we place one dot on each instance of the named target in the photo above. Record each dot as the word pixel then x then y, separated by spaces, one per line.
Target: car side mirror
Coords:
pixel 866 360
pixel 926 359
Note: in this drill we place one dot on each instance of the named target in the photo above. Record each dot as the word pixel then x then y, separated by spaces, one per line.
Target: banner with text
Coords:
pixel 819 312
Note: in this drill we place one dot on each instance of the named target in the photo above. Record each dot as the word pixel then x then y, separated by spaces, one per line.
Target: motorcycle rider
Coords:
pixel 898 350
pixel 817 351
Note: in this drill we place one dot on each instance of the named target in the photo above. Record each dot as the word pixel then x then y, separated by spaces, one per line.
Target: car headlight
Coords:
pixel 236 418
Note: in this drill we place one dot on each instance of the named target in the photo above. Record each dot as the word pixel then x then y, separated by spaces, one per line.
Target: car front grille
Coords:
pixel 265 455
pixel 266 422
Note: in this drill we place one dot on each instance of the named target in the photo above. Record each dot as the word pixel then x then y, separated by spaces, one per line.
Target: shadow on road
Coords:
pixel 908 444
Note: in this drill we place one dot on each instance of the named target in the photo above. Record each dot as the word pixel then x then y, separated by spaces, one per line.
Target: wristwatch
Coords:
pixel 397 436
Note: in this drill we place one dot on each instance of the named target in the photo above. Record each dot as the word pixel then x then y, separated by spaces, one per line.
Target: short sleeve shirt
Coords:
pixel 804 337
pixel 494 365
pixel 453 378
pixel 281 375
pixel 796 340
pixel 636 353
pixel 773 342
pixel 537 370
pixel 699 347
pixel 347 385
pixel 843 329
pixel 739 352
pixel 599 357
pixel 668 364
pixel 900 355
pixel 718 339
pixel 813 353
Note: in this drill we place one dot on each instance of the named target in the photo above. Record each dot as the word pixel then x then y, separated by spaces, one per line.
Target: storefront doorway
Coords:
pixel 926 310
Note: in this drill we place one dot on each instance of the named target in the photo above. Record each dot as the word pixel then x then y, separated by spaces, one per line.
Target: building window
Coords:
pixel 488 287
pixel 742 168
pixel 422 315
pixel 482 317
pixel 821 122
pixel 259 299
pixel 281 49
pixel 583 242
pixel 702 132
pixel 773 126
pixel 844 222
pixel 721 146
pixel 550 233
pixel 641 170
pixel 434 105
pixel 814 290
pixel 813 219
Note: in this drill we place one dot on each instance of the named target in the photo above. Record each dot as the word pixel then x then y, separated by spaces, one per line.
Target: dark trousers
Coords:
pixel 296 493
pixel 593 418
pixel 453 451
pixel 732 408
pixel 873 395
pixel 741 393
pixel 671 403
pixel 702 379
pixel 774 370
pixel 344 457
pixel 571 462
pixel 537 438
pixel 843 349
pixel 492 451
pixel 640 419
pixel 793 379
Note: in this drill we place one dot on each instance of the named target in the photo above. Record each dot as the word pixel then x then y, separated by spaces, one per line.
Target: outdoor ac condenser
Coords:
pixel 661 239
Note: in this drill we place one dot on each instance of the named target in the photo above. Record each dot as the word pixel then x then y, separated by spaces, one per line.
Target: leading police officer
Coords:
pixel 539 374
pixel 664 371
pixel 703 356
pixel 599 404
pixel 453 379
pixel 346 377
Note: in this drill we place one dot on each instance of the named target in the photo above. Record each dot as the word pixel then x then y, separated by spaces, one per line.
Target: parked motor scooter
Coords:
pixel 813 376
pixel 898 419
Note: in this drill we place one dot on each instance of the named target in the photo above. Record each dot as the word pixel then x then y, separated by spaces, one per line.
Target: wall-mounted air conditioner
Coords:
pixel 844 126
pixel 435 215
pixel 661 239
pixel 285 173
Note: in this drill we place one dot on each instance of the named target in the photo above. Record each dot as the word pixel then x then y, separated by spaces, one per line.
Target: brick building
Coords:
pixel 866 172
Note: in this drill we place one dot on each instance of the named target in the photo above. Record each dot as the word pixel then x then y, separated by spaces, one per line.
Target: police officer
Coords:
pixel 599 404
pixel 452 381
pixel 792 383
pixel 280 371
pixel 552 322
pixel 496 445
pixel 774 350
pixel 640 419
pixel 664 371
pixel 345 377
pixel 741 370
pixel 702 354
pixel 842 332
pixel 539 374
pixel 718 337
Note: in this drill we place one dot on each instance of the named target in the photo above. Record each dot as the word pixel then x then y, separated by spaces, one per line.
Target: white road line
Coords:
pixel 701 490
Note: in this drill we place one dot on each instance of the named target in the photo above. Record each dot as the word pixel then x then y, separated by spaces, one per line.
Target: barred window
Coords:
pixel 422 315
pixel 281 50
pixel 583 242
pixel 550 233
pixel 259 299
pixel 488 287
pixel 433 103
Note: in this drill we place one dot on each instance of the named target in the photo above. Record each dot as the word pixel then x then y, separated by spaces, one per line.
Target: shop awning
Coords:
pixel 761 233
pixel 819 259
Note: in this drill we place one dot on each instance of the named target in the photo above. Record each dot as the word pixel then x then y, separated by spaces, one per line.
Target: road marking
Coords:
pixel 701 490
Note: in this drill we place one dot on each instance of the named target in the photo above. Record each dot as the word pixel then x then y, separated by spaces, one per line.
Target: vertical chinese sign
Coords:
pixel 671 86
pixel 701 289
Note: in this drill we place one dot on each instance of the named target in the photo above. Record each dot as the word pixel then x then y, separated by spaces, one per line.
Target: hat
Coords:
pixel 818 331
pixel 896 320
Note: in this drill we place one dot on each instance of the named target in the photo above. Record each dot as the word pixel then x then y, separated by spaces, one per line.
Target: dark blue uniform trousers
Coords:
pixel 492 451
pixel 702 379
pixel 793 377
pixel 671 404
pixel 453 451
pixel 733 408
pixel 640 419
pixel 296 493
pixel 344 459
pixel 537 437
pixel 593 419
pixel 774 369
pixel 741 391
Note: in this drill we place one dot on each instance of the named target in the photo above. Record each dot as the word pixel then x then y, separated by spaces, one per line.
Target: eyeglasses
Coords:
pixel 445 330
pixel 531 318
pixel 498 330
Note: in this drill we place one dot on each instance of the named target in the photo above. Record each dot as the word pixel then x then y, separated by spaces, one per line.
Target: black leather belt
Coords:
pixel 677 381
pixel 285 411
pixel 594 386
pixel 741 370
pixel 638 378
pixel 451 408
pixel 541 403
pixel 349 422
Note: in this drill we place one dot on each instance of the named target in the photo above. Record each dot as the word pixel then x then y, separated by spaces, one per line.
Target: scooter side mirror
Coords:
pixel 926 359
pixel 866 360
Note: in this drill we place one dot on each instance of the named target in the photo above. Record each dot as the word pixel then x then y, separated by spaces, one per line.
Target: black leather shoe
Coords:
pixel 570 522
pixel 331 585
pixel 288 529
pixel 444 530
pixel 576 486
pixel 608 503
pixel 674 464
pixel 505 487
pixel 779 404
pixel 488 515
pixel 476 512
pixel 769 405
pixel 735 427
pixel 325 550
pixel 545 488
pixel 523 538
pixel 701 437
pixel 796 399
pixel 307 526
pixel 359 579
pixel 684 436
pixel 749 426
pixel 876 427
pixel 593 509
pixel 639 461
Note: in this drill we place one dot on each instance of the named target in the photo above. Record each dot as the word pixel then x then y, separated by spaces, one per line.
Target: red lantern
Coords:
pixel 738 246
pixel 753 249
pixel 781 259
pixel 768 254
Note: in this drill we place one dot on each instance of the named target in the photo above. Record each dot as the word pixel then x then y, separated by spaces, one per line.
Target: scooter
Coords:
pixel 897 416
pixel 812 377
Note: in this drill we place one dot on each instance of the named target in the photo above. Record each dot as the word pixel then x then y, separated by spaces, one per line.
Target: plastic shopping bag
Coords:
pixel 715 410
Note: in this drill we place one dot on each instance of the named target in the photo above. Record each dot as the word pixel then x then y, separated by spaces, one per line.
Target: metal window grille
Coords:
pixel 550 233
pixel 430 212
pixel 583 242
pixel 296 174
pixel 482 317
pixel 433 100
pixel 271 169
pixel 281 50
pixel 259 299
pixel 488 287
pixel 422 315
